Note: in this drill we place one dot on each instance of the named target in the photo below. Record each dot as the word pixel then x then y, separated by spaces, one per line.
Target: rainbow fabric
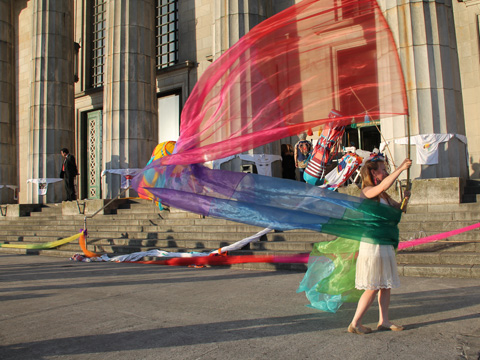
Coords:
pixel 280 79
pixel 280 204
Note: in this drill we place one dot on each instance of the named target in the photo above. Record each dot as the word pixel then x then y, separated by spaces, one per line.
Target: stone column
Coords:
pixel 130 103
pixel 8 155
pixel 425 35
pixel 233 19
pixel 52 124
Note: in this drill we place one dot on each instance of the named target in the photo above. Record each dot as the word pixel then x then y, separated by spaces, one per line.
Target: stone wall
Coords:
pixel 467 25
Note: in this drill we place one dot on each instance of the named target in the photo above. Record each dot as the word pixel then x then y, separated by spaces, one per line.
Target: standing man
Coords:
pixel 69 171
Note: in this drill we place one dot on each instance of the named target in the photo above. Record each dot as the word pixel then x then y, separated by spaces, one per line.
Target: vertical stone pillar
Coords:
pixel 52 124
pixel 130 104
pixel 424 32
pixel 233 19
pixel 8 155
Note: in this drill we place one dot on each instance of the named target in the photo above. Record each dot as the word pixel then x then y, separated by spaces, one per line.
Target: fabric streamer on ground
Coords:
pixel 44 246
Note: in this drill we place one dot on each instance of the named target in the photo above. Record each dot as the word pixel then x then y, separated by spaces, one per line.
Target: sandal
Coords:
pixel 361 330
pixel 391 327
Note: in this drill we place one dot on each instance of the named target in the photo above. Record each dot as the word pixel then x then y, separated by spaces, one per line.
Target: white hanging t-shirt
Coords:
pixel 427 146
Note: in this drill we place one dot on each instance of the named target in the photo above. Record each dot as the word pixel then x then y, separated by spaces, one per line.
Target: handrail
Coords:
pixel 104 206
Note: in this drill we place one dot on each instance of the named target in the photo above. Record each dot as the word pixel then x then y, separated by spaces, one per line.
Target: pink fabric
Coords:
pixel 428 239
pixel 285 75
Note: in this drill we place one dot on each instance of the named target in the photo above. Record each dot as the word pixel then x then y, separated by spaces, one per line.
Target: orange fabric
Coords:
pixel 83 245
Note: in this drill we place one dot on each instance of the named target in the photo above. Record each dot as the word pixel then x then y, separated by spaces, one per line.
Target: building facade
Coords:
pixel 107 79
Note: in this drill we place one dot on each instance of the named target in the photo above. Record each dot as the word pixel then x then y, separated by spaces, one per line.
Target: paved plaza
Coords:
pixel 58 309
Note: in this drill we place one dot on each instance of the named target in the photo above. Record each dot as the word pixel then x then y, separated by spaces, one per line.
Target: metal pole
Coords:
pixel 104 206
pixel 404 202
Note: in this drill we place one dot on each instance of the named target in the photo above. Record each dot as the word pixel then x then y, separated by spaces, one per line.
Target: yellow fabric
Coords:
pixel 48 245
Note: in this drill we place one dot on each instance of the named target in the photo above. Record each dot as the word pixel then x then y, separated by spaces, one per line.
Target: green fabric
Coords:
pixel 371 222
pixel 341 281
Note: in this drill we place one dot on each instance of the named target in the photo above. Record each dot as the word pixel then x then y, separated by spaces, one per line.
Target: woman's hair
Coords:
pixel 367 179
pixel 366 173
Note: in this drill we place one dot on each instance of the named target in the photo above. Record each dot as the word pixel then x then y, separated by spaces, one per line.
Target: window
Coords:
pixel 167 33
pixel 98 42
pixel 168 118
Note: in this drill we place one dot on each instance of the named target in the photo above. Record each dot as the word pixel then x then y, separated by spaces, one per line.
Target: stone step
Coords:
pixel 104 237
pixel 444 208
pixel 465 236
pixel 453 216
pixel 51 252
pixel 450 271
pixel 436 226
pixel 445 245
pixel 444 258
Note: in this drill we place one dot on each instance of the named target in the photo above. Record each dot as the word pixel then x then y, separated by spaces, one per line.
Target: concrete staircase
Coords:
pixel 137 225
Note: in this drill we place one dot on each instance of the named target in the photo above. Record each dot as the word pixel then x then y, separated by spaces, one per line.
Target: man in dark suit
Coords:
pixel 68 173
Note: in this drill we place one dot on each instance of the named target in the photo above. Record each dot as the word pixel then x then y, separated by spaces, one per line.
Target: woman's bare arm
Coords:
pixel 373 191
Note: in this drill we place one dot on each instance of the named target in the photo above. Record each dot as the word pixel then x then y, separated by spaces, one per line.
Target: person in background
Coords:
pixel 288 162
pixel 303 148
pixel 68 173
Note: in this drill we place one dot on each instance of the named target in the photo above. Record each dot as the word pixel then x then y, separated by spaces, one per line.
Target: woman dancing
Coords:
pixel 376 270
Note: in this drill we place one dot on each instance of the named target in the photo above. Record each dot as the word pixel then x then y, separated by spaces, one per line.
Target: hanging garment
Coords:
pixel 216 164
pixel 427 146
pixel 263 162
pixel 325 150
pixel 346 167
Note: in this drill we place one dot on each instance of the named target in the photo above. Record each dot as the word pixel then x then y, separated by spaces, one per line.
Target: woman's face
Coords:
pixel 379 174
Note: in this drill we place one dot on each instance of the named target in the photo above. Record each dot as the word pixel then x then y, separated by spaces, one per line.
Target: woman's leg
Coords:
pixel 383 304
pixel 364 303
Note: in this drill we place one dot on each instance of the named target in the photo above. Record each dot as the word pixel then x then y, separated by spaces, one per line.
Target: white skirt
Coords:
pixel 376 267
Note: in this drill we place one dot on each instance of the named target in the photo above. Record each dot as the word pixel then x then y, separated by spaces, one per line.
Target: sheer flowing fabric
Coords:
pixel 283 78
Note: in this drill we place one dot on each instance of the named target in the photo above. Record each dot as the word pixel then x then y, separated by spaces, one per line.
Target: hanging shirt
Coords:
pixel 427 146
pixel 263 162
pixel 216 164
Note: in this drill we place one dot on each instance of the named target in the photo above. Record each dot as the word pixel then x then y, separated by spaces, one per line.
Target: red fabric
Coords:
pixel 230 260
pixel 285 75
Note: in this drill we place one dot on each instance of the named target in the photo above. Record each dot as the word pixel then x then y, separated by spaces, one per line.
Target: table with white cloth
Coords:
pixel 127 175
pixel 42 184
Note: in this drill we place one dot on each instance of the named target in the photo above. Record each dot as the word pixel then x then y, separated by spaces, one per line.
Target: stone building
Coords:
pixel 107 79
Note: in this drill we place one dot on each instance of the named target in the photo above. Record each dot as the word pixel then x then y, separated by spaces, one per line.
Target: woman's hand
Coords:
pixel 406 164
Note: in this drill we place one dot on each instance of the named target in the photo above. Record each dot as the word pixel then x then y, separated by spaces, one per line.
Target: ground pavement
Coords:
pixel 58 309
